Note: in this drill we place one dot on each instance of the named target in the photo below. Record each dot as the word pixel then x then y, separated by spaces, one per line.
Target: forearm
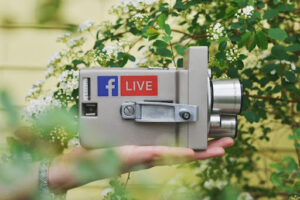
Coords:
pixel 24 188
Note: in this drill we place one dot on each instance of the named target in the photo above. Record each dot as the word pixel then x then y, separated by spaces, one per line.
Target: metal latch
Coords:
pixel 143 111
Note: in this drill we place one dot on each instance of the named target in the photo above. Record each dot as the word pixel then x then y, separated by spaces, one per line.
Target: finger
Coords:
pixel 222 142
pixel 210 152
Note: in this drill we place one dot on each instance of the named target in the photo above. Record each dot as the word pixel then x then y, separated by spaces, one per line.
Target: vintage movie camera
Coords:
pixel 156 106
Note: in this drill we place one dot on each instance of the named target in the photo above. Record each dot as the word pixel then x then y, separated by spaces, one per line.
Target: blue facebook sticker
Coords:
pixel 108 86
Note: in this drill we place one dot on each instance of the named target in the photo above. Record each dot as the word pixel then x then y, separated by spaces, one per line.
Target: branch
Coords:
pixel 190 35
pixel 275 99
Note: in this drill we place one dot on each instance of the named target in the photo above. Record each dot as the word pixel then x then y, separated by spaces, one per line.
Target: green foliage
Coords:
pixel 47 10
pixel 256 41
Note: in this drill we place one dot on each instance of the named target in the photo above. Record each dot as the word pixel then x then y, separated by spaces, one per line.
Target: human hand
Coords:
pixel 64 172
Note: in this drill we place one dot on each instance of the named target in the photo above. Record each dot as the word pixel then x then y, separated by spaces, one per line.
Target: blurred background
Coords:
pixel 28 32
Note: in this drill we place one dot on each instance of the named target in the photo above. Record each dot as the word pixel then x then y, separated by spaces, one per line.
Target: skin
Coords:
pixel 63 176
pixel 65 173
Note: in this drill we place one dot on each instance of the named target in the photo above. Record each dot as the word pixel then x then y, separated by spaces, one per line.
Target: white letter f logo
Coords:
pixel 110 86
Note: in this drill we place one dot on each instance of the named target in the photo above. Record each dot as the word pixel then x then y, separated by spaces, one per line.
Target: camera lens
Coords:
pixel 227 96
pixel 228 127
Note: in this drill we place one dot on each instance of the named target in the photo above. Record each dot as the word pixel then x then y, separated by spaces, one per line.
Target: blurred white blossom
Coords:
pixel 76 42
pixel 63 37
pixel 245 12
pixel 39 106
pixel 245 196
pixel 232 54
pixel 106 191
pixel 49 71
pixel 68 81
pixel 210 184
pixel 216 31
pixel 73 143
pixel 126 5
pixel 86 26
pixel 35 89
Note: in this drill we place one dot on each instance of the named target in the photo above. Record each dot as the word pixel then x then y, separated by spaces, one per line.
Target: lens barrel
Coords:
pixel 227 96
pixel 227 128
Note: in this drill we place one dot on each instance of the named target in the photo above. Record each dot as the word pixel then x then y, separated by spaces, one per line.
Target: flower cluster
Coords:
pixel 245 13
pixel 140 20
pixel 34 90
pixel 126 5
pixel 216 31
pixel 39 106
pixel 232 54
pixel 68 82
pixel 76 42
pixel 245 196
pixel 59 134
pixel 110 52
pixel 73 143
pixel 286 62
pixel 63 37
pixel 211 184
pixel 49 71
pixel 86 26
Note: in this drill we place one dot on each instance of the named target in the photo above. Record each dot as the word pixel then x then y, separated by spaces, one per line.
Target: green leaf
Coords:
pixel 293 47
pixel 290 164
pixel 222 45
pixel 290 76
pixel 251 42
pixel 167 38
pixel 179 5
pixel 180 49
pixel 269 67
pixel 161 21
pixel 180 62
pixel 261 40
pixel 275 179
pixel 279 52
pixel 270 13
pixel 164 52
pixel 277 34
pixel 168 29
pixel 251 116
pixel 244 39
pixel 160 44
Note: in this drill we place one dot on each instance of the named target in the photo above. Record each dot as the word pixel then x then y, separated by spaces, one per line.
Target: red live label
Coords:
pixel 138 85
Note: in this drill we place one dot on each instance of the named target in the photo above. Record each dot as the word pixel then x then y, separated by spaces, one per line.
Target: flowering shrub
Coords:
pixel 257 41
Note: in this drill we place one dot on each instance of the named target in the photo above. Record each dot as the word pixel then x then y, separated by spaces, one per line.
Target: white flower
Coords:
pixel 273 72
pixel 245 196
pixel 55 58
pixel 104 26
pixel 68 81
pixel 86 26
pixel 215 31
pixel 232 54
pixel 210 184
pixel 49 71
pixel 76 42
pixel 107 191
pixel 245 12
pixel 63 37
pixel 35 89
pixel 39 106
pixel 73 143
pixel 125 5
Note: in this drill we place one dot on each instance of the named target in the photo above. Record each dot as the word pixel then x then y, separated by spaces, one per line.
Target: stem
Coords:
pixel 190 35
pixel 173 58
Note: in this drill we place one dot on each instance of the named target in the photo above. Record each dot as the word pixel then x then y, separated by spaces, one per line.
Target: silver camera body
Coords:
pixel 154 106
